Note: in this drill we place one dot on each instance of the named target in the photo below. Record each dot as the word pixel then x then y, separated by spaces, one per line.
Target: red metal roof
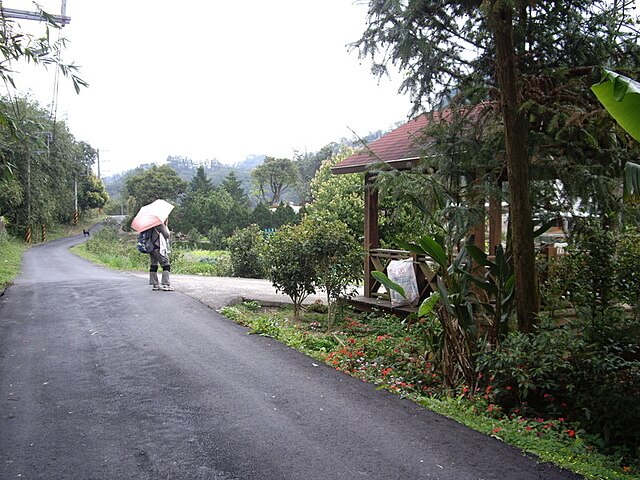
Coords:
pixel 399 147
pixel 402 148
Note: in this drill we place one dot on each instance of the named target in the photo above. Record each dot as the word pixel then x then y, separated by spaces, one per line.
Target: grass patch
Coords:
pixel 115 249
pixel 10 258
pixel 381 350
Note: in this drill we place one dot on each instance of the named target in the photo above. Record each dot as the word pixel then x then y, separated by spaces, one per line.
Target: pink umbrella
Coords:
pixel 151 215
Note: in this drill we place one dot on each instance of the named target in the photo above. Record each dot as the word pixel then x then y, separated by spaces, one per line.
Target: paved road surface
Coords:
pixel 101 378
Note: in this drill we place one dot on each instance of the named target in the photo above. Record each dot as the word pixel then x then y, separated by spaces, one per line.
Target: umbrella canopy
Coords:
pixel 151 215
pixel 621 97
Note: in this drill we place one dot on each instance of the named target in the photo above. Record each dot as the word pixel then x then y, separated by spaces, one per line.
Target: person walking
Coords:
pixel 160 256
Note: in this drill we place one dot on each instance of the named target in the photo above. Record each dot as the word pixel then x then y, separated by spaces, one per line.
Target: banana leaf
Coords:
pixel 631 180
pixel 478 255
pixel 428 304
pixel 434 250
pixel 389 284
pixel 620 95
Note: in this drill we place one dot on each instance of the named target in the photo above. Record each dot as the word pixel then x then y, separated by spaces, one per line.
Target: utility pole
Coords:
pixel 76 214
pixel 61 19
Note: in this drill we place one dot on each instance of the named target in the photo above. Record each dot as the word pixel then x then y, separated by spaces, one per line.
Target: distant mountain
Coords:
pixel 217 171
pixel 251 162
pixel 186 169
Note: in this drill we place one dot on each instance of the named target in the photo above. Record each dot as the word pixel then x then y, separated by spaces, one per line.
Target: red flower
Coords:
pixel 496 430
pixel 571 433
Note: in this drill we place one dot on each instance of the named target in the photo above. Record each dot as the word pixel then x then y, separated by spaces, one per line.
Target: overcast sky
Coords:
pixel 215 79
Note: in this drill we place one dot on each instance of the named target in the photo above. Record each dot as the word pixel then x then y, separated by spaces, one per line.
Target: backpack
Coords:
pixel 145 244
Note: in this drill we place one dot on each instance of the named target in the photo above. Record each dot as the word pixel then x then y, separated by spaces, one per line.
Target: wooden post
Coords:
pixel 476 197
pixel 495 223
pixel 371 234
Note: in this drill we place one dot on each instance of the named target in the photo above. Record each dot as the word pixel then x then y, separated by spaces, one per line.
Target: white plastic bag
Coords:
pixel 402 273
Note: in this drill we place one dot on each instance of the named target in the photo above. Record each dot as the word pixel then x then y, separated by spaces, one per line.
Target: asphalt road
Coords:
pixel 101 378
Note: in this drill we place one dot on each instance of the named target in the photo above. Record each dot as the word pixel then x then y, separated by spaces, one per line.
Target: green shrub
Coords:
pixel 336 258
pixel 217 238
pixel 291 265
pixel 246 247
pixel 579 372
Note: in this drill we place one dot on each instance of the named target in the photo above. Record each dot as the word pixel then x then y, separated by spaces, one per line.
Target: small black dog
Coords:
pixel 86 233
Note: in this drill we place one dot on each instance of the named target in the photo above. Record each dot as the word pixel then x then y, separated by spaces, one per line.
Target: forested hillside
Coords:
pixel 217 171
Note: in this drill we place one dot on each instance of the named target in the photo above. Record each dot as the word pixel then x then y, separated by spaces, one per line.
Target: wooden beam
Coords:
pixel 371 234
pixel 477 198
pixel 495 223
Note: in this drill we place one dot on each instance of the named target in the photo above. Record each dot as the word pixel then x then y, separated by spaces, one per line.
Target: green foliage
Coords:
pixel 308 165
pixel 382 350
pixel 335 257
pixel 108 246
pixel 290 265
pixel 497 282
pixel 211 211
pixel 262 216
pixel 10 257
pixel 233 186
pixel 314 255
pixel 573 372
pixel 424 41
pixel 206 262
pixel 91 193
pixel 550 440
pixel 599 271
pixel 200 183
pixel 156 182
pixel 201 211
pixel 17 45
pixel 43 163
pixel 621 97
pixel 217 238
pixel 549 123
pixel 456 310
pixel 273 177
pixel 284 215
pixel 338 197
pixel 246 247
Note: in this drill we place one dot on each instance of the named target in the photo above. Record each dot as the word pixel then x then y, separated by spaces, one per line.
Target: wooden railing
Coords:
pixel 379 258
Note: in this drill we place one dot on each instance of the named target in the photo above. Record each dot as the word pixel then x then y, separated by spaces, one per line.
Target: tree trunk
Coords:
pixel 515 125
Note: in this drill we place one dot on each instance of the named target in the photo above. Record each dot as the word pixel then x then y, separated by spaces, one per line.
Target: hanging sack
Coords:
pixel 402 273
pixel 145 244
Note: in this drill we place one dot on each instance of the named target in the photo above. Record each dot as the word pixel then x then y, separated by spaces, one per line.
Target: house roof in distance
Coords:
pixel 400 148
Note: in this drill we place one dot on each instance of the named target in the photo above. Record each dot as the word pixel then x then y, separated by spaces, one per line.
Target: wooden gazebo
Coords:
pixel 401 149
